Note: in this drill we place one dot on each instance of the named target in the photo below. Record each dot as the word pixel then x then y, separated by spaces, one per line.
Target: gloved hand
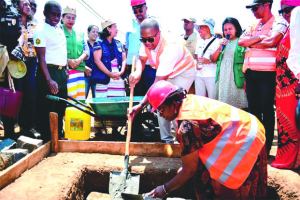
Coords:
pixel 18 52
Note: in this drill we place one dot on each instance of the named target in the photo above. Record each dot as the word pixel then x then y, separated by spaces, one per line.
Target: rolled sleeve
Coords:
pixel 142 52
pixel 97 45
pixel 293 60
pixel 86 50
pixel 280 26
pixel 39 38
pixel 127 40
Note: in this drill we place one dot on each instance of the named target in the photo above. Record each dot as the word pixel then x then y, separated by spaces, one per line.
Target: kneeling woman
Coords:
pixel 222 147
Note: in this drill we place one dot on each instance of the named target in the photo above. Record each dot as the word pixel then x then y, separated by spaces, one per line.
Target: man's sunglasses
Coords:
pixel 151 39
pixel 33 5
pixel 255 8
pixel 139 10
pixel 286 10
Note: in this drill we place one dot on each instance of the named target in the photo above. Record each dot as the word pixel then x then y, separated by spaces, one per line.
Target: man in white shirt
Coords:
pixel 206 70
pixel 173 62
pixel 51 47
pixel 191 36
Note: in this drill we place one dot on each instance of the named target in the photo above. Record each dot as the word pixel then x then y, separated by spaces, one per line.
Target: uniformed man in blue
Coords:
pixel 51 47
pixel 133 44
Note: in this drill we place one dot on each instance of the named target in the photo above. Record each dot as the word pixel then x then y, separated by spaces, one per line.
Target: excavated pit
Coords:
pixel 76 175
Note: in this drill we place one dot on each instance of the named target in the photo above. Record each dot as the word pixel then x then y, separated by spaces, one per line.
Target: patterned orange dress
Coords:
pixel 288 151
pixel 192 135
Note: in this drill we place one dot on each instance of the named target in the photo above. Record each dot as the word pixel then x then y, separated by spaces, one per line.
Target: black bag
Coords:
pixel 98 76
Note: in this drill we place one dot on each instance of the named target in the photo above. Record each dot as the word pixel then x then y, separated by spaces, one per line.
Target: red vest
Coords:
pixel 231 156
pixel 261 59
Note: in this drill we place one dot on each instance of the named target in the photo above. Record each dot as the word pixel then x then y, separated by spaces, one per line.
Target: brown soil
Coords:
pixel 75 175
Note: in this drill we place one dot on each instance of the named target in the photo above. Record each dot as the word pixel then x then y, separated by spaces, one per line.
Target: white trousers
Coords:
pixel 185 81
pixel 203 84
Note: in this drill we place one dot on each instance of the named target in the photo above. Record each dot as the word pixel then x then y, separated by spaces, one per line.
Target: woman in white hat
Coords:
pixel 110 60
pixel 78 51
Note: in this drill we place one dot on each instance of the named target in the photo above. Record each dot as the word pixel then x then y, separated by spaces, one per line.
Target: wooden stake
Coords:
pixel 54 132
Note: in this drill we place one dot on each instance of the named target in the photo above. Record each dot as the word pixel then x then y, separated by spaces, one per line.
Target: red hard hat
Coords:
pixel 158 92
pixel 137 2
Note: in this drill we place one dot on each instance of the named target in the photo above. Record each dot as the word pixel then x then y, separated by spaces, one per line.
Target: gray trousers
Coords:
pixel 185 81
pixel 203 84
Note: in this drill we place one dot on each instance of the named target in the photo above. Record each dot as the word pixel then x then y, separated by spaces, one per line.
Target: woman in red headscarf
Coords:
pixel 288 152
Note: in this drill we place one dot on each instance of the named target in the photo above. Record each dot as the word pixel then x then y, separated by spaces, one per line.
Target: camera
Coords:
pixel 10 29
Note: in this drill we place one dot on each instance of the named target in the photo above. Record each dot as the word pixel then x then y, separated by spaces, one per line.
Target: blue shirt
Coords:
pixel 90 60
pixel 133 42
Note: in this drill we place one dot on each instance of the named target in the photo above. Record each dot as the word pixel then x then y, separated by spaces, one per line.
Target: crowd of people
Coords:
pixel 247 69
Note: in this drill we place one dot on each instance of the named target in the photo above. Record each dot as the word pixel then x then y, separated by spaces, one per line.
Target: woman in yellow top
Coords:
pixel 78 51
pixel 27 84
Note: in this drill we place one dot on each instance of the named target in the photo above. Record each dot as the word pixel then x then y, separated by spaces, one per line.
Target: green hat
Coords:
pixel 17 69
pixel 68 10
pixel 107 23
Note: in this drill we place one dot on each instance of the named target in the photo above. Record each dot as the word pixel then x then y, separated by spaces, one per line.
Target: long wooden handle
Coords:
pixel 130 108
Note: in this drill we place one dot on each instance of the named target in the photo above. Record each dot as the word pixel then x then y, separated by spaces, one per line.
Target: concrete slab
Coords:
pixel 31 144
pixel 7 144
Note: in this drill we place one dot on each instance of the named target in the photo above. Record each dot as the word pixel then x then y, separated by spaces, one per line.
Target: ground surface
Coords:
pixel 68 175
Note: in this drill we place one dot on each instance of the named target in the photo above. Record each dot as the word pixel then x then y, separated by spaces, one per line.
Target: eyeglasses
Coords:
pixel 161 110
pixel 33 5
pixel 255 8
pixel 139 11
pixel 151 39
pixel 286 10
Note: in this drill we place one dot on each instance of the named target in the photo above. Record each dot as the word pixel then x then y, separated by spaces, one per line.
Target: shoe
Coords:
pixel 32 133
pixel 1 125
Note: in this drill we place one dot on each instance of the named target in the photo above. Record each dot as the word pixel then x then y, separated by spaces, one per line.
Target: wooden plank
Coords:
pixel 118 148
pixel 54 131
pixel 11 173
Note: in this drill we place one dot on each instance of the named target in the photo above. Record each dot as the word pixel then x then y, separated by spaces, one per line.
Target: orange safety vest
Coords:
pixel 184 63
pixel 261 59
pixel 230 156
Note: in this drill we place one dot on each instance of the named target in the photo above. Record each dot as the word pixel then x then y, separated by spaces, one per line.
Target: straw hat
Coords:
pixel 107 23
pixel 68 10
pixel 17 69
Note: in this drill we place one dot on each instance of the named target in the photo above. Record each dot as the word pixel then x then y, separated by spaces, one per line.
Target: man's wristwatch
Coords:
pixel 142 103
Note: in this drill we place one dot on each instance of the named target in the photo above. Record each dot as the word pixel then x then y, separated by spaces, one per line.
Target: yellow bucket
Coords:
pixel 77 124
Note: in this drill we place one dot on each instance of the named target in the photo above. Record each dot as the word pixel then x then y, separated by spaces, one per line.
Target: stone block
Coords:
pixel 18 154
pixel 98 196
pixel 7 144
pixel 6 160
pixel 31 144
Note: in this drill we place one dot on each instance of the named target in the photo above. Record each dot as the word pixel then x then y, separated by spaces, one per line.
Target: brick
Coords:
pixel 28 143
pixel 18 154
pixel 7 144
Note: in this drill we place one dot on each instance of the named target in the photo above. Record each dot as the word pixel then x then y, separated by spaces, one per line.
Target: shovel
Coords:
pixel 125 182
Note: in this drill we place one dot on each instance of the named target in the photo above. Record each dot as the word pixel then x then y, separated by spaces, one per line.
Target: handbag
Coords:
pixel 98 76
pixel 10 100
